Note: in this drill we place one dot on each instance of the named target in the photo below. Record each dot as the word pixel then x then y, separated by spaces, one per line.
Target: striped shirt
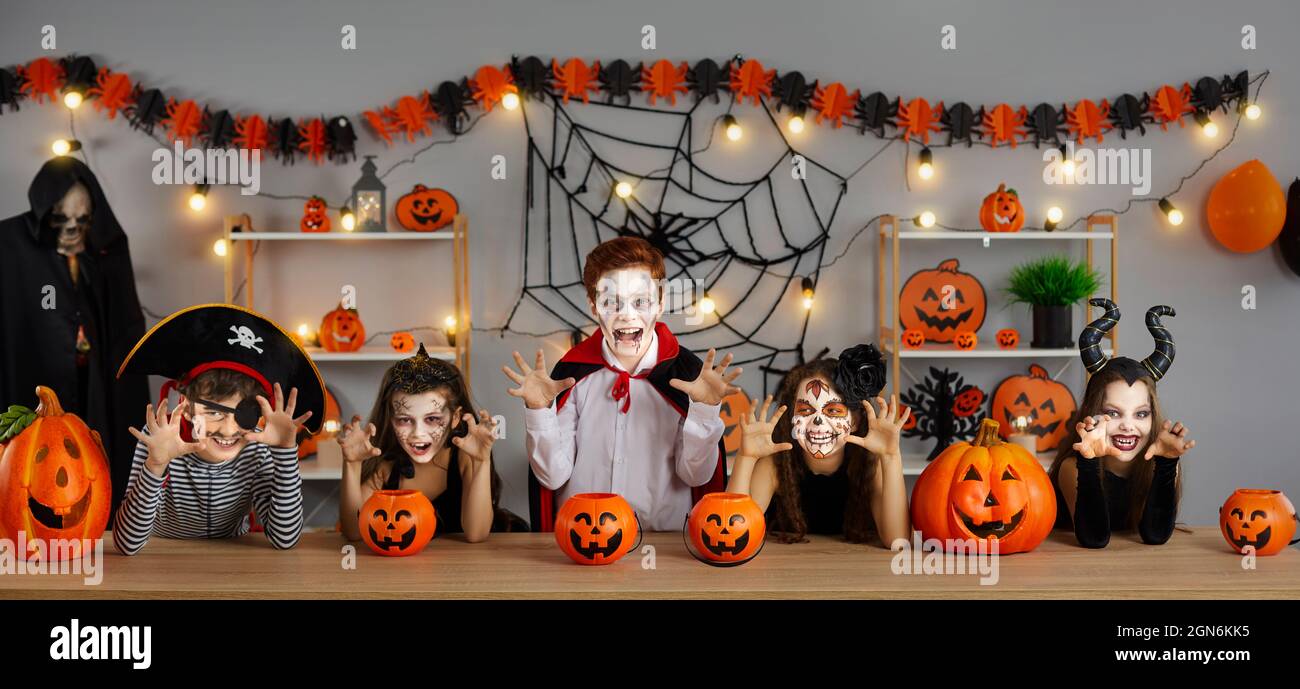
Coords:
pixel 199 499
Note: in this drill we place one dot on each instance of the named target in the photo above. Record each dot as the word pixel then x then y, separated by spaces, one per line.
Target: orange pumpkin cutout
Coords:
pixel 397 523
pixel 425 209
pixel 966 340
pixel 307 441
pixel 342 331
pixel 985 490
pixel 734 406
pixel 402 342
pixel 913 339
pixel 1047 404
pixel 1001 211
pixel 727 529
pixel 315 216
pixel 942 301
pixel 54 482
pixel 967 402
pixel 1008 338
pixel 596 528
pixel 1261 519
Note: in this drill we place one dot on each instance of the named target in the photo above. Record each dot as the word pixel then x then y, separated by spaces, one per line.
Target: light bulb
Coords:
pixel 219 247
pixel 623 190
pixel 1067 167
pixel 1208 127
pixel 707 306
pixel 1054 214
pixel 1174 215
pixel 926 168
pixel 348 219
pixel 198 201
pixel 732 127
pixel 73 99
pixel 1253 112
pixel 510 101
pixel 62 147
pixel 303 331
pixel 449 322
pixel 925 219
pixel 795 125
pixel 806 286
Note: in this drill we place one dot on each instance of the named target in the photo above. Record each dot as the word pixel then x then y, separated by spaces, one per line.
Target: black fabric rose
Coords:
pixel 860 373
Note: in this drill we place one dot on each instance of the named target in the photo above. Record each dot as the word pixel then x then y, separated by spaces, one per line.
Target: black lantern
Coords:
pixel 368 201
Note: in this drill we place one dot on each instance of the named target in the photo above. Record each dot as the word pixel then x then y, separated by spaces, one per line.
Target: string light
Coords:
pixel 926 169
pixel 1172 214
pixel 1067 161
pixel 1054 215
pixel 623 190
pixel 348 219
pixel 1252 111
pixel 806 286
pixel 706 305
pixel 1208 127
pixel 510 101
pixel 732 127
pixel 925 219
pixel 219 247
pixel 199 199
pixel 449 329
pixel 62 147
pixel 73 97
pixel 795 123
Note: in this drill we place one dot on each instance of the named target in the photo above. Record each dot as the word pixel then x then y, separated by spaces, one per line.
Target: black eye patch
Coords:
pixel 247 412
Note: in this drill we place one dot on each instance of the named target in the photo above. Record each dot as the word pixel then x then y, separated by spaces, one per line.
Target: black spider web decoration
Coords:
pixel 744 235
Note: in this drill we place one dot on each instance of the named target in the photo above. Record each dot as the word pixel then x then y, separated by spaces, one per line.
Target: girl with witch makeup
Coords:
pixel 837 482
pixel 424 403
pixel 1118 468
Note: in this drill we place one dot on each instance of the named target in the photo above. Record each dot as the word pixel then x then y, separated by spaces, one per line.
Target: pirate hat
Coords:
pixel 224 336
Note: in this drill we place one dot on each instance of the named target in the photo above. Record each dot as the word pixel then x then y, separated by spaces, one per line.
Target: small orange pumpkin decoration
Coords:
pixel 342 331
pixel 1001 211
pixel 727 529
pixel 922 299
pixel 734 406
pixel 966 340
pixel 425 209
pixel 397 523
pixel 1048 404
pixel 307 442
pixel 968 401
pixel 913 338
pixel 315 216
pixel 596 528
pixel 402 342
pixel 54 481
pixel 1261 519
pixel 1008 338
pixel 987 489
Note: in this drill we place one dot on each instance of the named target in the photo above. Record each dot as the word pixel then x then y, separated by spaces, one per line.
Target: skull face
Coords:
pixel 821 422
pixel 70 218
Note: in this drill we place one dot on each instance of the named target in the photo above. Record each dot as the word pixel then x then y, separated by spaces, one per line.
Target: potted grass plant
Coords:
pixel 1051 285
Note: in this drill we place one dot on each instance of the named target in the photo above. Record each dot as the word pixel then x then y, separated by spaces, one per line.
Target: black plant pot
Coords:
pixel 1052 327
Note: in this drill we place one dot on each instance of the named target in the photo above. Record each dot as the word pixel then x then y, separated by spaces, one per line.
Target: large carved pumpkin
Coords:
pixel 1047 404
pixel 342 331
pixel 54 481
pixel 1001 211
pixel 1261 519
pixel 397 522
pixel 987 489
pixel 596 528
pixel 315 216
pixel 727 529
pixel 921 302
pixel 307 441
pixel 426 210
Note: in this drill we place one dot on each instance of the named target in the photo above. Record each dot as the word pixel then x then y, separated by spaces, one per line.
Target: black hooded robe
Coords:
pixel 38 345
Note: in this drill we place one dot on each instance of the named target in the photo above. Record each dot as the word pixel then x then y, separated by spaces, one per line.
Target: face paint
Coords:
pixel 821 422
pixel 627 306
pixel 70 218
pixel 421 423
pixel 1128 408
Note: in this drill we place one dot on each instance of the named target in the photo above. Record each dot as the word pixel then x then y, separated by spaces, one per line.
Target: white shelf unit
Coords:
pixel 238 228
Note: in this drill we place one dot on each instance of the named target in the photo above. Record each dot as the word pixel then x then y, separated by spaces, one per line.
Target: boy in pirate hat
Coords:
pixel 201 467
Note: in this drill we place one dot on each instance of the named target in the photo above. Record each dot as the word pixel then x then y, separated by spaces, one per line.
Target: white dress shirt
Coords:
pixel 652 455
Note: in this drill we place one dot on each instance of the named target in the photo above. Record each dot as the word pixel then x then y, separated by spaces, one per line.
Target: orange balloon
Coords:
pixel 1247 208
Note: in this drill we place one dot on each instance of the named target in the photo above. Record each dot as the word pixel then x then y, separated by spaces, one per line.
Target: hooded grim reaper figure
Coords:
pixel 68 308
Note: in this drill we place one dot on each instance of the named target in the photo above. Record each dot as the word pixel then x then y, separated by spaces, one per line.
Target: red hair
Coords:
pixel 619 253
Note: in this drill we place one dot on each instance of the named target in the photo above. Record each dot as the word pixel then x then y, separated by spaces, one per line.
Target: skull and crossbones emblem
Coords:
pixel 245 338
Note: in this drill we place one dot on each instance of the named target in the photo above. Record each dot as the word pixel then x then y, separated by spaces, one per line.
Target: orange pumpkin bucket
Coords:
pixel 596 528
pixel 1264 520
pixel 726 529
pixel 397 523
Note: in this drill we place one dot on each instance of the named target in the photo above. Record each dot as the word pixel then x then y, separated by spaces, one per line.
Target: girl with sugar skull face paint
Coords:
pixel 843 473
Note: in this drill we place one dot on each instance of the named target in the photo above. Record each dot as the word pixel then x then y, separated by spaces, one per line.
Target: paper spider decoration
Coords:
pixel 959 119
pixel 221 129
pixel 341 139
pixel 706 78
pixel 449 101
pixel 148 108
pixel 619 79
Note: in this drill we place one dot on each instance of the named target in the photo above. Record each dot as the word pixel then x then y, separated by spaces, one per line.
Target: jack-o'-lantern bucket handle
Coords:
pixel 711 563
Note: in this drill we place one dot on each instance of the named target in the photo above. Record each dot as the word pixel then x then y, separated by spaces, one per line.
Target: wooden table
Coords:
pixel 1192 565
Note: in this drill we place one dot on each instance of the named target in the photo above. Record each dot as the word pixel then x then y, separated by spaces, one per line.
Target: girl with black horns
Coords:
pixel 1118 467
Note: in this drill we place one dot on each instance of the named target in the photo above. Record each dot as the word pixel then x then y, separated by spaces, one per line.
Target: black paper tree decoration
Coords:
pixel 945 408
pixel 745 240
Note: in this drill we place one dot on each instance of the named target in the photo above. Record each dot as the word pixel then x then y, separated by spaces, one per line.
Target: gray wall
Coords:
pixel 1235 380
